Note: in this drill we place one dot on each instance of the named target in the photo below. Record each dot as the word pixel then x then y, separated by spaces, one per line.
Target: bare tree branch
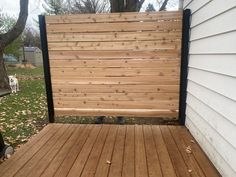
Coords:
pixel 163 6
pixel 140 5
pixel 90 6
pixel 18 28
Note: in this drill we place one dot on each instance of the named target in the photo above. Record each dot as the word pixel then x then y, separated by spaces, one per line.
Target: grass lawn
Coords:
pixel 24 113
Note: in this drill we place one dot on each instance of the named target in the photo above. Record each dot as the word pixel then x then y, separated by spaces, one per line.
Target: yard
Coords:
pixel 24 114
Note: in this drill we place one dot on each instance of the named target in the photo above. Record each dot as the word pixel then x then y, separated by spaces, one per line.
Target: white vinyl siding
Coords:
pixel 211 92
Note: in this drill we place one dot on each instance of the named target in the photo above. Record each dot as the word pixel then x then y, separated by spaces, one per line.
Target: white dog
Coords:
pixel 14 84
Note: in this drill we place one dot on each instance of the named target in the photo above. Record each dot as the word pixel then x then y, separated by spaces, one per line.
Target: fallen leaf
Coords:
pixel 188 149
pixel 8 156
pixel 108 162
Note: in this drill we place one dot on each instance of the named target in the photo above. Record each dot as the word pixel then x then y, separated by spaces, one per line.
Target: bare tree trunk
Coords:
pixel 4 84
pixel 10 36
pixel 126 5
pixel 163 6
pixel 117 5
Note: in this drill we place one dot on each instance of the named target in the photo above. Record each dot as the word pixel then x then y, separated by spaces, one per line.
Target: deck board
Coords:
pixel 57 161
pixel 118 154
pixel 110 150
pixel 153 163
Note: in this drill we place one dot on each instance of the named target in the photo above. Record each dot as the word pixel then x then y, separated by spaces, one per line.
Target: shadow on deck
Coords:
pixel 110 150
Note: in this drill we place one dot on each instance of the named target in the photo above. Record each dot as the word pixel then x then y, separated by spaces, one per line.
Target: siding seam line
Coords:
pixel 186 6
pixel 213 16
pixel 231 53
pixel 213 72
pixel 203 5
pixel 211 89
pixel 213 35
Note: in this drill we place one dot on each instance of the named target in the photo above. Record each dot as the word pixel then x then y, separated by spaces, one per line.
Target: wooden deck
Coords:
pixel 110 151
pixel 4 92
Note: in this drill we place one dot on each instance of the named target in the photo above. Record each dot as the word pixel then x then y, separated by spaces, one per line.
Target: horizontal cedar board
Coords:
pixel 116 63
pixel 114 72
pixel 150 80
pixel 116 96
pixel 115 88
pixel 116 112
pixel 148 100
pixel 130 45
pixel 116 36
pixel 81 80
pixel 114 17
pixel 173 104
pixel 115 27
pixel 58 55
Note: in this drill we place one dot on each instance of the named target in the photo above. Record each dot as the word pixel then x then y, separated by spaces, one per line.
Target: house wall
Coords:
pixel 211 92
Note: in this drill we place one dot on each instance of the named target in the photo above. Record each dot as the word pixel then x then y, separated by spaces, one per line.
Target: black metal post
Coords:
pixel 184 65
pixel 2 144
pixel 46 65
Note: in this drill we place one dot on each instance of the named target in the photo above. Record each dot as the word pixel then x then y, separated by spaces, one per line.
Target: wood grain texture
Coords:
pixel 114 72
pixel 115 27
pixel 114 17
pixel 121 61
pixel 114 37
pixel 116 112
pixel 109 150
pixel 100 46
pixel 115 63
pixel 109 55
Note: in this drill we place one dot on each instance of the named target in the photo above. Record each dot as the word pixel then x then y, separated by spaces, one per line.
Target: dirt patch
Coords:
pixel 29 78
pixel 22 66
pixel 113 120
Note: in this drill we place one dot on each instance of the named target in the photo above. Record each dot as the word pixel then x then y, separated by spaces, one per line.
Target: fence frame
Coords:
pixel 184 65
pixel 183 69
pixel 46 66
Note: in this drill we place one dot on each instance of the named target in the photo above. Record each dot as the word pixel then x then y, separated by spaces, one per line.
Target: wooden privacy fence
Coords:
pixel 124 64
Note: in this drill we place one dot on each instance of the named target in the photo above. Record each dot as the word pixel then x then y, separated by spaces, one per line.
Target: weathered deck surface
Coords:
pixel 109 151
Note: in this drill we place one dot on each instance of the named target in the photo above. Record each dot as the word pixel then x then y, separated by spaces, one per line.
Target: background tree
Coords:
pixel 126 5
pixel 31 38
pixel 7 22
pixel 102 6
pixel 8 37
pixel 55 7
pixel 91 6
pixel 134 5
pixel 150 8
pixel 162 4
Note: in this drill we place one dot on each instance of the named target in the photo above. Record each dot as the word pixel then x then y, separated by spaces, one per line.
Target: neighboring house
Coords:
pixel 211 97
pixel 33 55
